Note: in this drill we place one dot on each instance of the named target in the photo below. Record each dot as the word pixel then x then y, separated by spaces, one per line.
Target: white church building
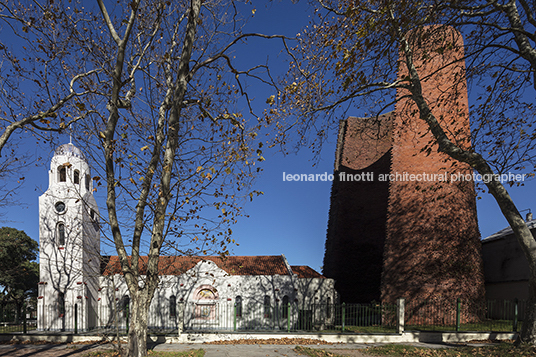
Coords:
pixel 81 290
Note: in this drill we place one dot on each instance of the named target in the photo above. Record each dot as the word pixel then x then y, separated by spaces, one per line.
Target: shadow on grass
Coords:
pixel 499 350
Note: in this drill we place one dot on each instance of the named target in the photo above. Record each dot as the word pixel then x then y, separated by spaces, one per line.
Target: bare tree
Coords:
pixel 12 177
pixel 349 58
pixel 156 98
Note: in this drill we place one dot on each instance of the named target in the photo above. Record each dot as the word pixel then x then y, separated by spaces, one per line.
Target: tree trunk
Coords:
pixel 18 310
pixel 137 333
pixel 528 331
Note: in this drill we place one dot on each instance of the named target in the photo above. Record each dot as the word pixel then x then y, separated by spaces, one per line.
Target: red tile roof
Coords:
pixel 233 265
pixel 304 271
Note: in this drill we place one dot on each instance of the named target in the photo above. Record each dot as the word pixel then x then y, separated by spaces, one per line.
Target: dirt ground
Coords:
pixel 81 351
pixel 349 352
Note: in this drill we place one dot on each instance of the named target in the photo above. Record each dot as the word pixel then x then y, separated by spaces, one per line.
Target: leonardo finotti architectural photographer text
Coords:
pixel 404 176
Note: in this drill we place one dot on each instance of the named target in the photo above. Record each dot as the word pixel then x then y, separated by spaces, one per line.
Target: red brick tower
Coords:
pixel 417 235
pixel 432 246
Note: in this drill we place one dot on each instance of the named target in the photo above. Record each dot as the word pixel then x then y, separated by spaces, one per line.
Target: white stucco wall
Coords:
pixel 71 268
pixel 303 294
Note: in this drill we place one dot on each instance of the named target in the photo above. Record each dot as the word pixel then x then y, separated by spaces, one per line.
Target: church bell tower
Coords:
pixel 69 252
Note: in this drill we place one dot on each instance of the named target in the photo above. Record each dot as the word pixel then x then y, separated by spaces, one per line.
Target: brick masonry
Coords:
pixel 404 238
pixel 358 211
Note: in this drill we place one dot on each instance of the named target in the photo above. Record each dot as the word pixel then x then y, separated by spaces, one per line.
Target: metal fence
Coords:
pixel 461 315
pixel 229 316
pixel 438 315
pixel 365 318
pixel 291 317
pixel 15 318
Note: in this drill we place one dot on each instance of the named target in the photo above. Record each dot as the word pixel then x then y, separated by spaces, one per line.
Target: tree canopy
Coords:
pixel 19 273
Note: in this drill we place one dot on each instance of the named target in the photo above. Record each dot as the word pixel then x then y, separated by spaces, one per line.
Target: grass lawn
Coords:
pixel 191 353
pixel 364 329
pixel 495 326
pixel 502 350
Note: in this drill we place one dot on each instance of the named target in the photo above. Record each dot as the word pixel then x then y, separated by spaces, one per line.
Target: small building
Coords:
pixel 80 289
pixel 506 269
pixel 209 292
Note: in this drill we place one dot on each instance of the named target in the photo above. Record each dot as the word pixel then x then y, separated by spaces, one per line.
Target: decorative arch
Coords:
pixel 205 298
pixel 206 292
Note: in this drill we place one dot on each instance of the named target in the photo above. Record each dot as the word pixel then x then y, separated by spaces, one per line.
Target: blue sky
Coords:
pixel 291 217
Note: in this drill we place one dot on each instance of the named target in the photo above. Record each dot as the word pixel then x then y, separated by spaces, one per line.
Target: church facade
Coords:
pixel 81 290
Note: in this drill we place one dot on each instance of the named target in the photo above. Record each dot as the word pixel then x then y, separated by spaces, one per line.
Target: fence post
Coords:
pixel 24 326
pixel 458 312
pixel 514 328
pixel 343 315
pixel 288 317
pixel 400 311
pixel 234 317
pixel 75 318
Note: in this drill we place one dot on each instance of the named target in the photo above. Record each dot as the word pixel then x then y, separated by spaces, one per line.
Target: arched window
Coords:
pixel 62 174
pixel 94 220
pixel 125 303
pixel 238 306
pixel 172 306
pixel 284 307
pixel 328 308
pixel 87 182
pixel 267 307
pixel 61 234
pixel 61 304
pixel 76 177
